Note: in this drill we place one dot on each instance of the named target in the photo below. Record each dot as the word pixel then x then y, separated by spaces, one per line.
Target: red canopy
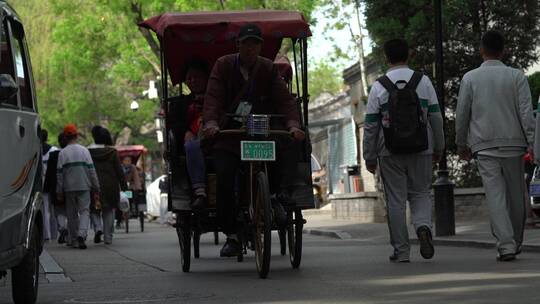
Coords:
pixel 134 152
pixel 284 66
pixel 209 35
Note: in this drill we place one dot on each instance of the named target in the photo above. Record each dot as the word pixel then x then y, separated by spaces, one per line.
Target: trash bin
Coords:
pixel 353 173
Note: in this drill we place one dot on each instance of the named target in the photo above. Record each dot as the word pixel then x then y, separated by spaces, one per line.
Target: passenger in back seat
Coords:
pixel 196 80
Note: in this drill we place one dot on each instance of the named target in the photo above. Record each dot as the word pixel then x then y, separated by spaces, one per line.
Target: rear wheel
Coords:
pixel 283 241
pixel 262 222
pixel 141 220
pixel 196 243
pixel 183 230
pixel 216 238
pixel 126 220
pixel 25 276
pixel 294 237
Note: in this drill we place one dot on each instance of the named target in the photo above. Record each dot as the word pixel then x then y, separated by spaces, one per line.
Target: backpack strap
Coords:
pixel 415 80
pixel 387 84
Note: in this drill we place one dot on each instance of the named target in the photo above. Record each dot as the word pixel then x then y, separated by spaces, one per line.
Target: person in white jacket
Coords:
pixel 495 125
pixel 407 174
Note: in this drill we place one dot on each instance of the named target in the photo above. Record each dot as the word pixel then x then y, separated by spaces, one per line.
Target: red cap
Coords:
pixel 70 129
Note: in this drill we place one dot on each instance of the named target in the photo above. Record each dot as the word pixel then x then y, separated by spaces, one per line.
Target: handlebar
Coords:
pixel 244 132
pixel 245 116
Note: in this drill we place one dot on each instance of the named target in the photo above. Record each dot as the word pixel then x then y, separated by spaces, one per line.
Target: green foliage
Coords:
pixel 90 59
pixel 534 83
pixel 324 77
pixel 464 22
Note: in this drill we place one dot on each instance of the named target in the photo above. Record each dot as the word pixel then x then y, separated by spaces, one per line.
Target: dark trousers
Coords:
pixel 227 165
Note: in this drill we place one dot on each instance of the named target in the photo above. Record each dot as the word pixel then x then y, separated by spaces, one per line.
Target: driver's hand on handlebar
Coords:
pixel 210 131
pixel 297 134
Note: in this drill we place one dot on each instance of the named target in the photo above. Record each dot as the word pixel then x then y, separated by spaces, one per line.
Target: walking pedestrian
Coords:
pixel 133 179
pixel 76 182
pixel 49 219
pixel 49 186
pixel 495 125
pixel 111 181
pixel 403 134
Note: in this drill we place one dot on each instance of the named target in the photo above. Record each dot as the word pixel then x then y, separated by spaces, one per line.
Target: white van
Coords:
pixel 21 240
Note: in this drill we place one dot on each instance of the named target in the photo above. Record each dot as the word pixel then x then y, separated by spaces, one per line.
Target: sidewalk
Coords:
pixel 470 234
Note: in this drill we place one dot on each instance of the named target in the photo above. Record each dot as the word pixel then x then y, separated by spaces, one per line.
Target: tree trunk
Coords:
pixel 136 8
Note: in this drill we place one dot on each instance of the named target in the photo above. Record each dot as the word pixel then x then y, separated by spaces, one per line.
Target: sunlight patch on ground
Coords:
pixel 452 277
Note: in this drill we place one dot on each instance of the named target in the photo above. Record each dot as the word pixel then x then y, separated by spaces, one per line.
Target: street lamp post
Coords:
pixel 443 187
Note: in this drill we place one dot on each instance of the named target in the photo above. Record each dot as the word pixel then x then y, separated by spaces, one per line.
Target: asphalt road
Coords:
pixel 145 268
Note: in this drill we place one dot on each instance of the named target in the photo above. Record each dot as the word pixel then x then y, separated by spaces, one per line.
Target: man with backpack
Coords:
pixel 403 135
pixel 495 125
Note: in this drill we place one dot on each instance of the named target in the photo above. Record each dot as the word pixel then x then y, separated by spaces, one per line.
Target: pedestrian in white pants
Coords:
pixel 47 211
pixel 495 124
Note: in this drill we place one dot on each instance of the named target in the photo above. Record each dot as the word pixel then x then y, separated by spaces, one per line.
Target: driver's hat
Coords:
pixel 250 31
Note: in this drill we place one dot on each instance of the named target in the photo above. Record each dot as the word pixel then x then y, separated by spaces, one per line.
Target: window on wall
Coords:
pixel 21 65
pixel 6 61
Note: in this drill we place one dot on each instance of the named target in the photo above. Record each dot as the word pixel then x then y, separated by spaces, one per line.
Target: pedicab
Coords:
pixel 137 199
pixel 208 36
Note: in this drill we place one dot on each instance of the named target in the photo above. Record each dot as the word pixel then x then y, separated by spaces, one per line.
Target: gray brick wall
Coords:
pixel 368 207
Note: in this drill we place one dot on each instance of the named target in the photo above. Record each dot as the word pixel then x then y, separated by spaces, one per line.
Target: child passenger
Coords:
pixel 196 80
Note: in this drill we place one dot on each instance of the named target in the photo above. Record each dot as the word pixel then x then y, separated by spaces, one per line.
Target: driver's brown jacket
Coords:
pixel 268 94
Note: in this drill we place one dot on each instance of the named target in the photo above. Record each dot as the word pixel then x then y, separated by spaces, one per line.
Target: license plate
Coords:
pixel 258 150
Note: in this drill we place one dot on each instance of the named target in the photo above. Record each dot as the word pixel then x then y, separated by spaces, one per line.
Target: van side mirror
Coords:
pixel 8 87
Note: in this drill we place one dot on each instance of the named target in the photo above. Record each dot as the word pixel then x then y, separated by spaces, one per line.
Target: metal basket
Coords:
pixel 258 125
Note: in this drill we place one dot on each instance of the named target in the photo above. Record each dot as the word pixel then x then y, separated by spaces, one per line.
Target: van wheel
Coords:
pixel 25 276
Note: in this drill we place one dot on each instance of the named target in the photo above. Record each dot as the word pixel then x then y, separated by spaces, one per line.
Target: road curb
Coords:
pixel 336 234
pixel 342 235
pixel 53 272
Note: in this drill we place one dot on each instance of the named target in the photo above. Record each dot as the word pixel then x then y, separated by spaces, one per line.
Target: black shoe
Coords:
pixel 80 240
pixel 97 237
pixel 62 237
pixel 280 216
pixel 199 203
pixel 518 249
pixel 118 225
pixel 426 244
pixel 506 257
pixel 396 259
pixel 230 249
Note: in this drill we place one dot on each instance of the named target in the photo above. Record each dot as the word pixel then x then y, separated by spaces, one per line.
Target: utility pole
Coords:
pixel 443 187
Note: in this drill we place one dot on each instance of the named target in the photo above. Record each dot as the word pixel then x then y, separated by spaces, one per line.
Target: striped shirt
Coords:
pixel 75 170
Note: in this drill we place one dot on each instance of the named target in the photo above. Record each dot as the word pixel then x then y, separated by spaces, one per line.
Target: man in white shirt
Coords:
pixel 404 100
pixel 495 124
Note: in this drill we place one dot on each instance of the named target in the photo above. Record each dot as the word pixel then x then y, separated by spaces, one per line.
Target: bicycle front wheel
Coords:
pixel 262 223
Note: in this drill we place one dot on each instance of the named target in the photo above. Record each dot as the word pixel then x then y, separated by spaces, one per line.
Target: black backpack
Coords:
pixel 407 130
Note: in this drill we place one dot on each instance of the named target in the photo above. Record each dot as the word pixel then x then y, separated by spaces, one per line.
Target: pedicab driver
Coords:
pixel 244 83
